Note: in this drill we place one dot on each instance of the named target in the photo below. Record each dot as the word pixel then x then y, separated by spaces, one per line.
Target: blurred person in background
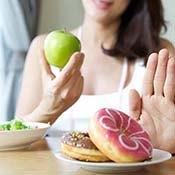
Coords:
pixel 118 39
pixel 18 26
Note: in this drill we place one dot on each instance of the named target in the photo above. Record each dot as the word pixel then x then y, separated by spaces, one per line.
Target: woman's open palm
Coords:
pixel 155 110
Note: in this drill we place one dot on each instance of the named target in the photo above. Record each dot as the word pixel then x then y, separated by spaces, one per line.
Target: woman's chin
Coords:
pixel 102 18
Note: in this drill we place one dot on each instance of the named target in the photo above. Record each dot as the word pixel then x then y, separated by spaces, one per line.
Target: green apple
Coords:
pixel 59 46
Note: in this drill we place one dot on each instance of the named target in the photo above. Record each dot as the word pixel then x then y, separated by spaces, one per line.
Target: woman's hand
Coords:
pixel 60 91
pixel 155 110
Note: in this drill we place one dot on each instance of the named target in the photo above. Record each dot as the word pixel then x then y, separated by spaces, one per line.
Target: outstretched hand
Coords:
pixel 155 110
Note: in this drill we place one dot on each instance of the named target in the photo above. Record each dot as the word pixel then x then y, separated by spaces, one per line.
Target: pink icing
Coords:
pixel 124 132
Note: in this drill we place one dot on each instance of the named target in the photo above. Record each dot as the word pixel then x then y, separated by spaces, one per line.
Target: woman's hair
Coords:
pixel 139 31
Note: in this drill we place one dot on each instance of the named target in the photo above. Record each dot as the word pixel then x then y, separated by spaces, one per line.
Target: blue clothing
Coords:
pixel 18 24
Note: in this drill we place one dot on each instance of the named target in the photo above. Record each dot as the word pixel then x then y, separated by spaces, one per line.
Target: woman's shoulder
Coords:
pixel 168 45
pixel 35 50
pixel 38 41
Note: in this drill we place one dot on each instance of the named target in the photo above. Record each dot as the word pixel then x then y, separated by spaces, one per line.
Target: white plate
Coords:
pixel 14 140
pixel 112 167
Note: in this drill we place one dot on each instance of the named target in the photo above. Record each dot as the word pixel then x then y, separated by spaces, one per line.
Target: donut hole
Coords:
pixel 126 133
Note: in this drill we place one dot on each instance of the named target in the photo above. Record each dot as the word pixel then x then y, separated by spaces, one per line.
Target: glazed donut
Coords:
pixel 78 145
pixel 123 138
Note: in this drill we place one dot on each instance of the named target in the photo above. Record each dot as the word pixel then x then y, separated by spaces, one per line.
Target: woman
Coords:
pixel 117 37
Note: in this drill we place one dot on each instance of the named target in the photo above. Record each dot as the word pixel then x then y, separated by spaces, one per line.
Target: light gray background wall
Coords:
pixel 59 14
pixel 56 14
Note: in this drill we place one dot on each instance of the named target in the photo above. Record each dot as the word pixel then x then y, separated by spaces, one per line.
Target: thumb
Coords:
pixel 45 68
pixel 134 104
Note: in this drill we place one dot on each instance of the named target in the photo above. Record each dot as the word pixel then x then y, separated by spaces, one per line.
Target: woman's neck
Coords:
pixel 94 32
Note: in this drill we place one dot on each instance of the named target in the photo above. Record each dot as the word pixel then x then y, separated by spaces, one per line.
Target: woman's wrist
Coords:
pixel 51 106
pixel 41 115
pixel 44 113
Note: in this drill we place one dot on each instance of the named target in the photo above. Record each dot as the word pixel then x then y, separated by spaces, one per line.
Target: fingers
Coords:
pixel 160 74
pixel 134 104
pixel 77 88
pixel 169 87
pixel 73 88
pixel 149 74
pixel 45 68
pixel 71 67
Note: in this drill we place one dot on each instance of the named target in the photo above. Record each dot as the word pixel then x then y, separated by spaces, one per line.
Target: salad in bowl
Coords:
pixel 14 125
pixel 17 134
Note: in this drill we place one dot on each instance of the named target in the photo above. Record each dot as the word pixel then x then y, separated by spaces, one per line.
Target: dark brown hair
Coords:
pixel 139 31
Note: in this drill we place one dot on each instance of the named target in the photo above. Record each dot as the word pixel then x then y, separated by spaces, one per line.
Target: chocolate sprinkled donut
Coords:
pixel 78 145
pixel 78 139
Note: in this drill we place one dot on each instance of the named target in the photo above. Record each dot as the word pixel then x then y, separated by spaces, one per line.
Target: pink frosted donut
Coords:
pixel 119 136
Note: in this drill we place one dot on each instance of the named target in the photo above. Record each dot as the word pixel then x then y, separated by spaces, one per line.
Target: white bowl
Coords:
pixel 19 139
